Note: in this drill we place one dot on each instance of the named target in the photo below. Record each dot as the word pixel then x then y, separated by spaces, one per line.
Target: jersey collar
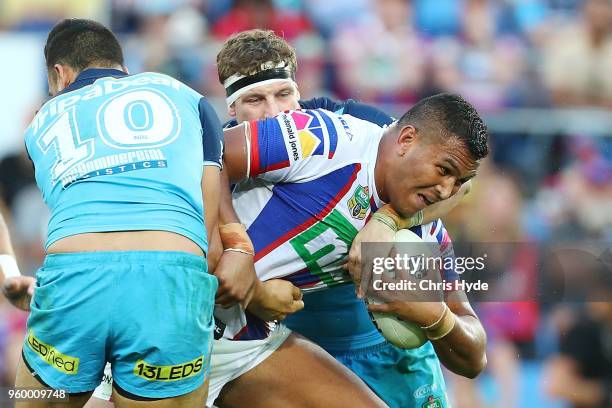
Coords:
pixel 90 75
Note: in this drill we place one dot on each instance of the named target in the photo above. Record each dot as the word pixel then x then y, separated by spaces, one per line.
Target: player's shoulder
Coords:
pixel 230 123
pixel 162 81
pixel 321 102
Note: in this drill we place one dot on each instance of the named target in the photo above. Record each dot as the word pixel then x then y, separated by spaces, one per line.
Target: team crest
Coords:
pixel 432 403
pixel 358 204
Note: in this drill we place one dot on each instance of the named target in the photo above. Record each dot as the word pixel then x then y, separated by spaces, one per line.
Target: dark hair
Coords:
pixel 243 53
pixel 81 43
pixel 449 115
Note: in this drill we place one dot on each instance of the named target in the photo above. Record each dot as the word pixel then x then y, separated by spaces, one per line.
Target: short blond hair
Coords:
pixel 245 52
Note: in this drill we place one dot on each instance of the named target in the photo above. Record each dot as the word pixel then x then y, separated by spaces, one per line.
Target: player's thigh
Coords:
pixel 387 369
pixel 195 399
pixel 25 379
pixel 298 374
pixel 162 326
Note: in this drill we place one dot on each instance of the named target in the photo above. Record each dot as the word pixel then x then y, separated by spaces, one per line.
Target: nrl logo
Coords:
pixel 432 403
pixel 359 203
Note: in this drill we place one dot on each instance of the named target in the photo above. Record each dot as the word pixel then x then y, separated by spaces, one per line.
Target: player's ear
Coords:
pixel 231 110
pixel 65 75
pixel 406 137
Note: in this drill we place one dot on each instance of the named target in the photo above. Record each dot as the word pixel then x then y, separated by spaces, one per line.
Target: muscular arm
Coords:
pixel 236 155
pixel 227 214
pixel 271 300
pixel 462 351
pixel 17 289
pixel 5 244
pixel 211 185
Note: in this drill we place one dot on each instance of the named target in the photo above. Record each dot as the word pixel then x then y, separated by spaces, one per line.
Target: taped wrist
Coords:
pixel 235 238
pixel 9 267
pixel 442 327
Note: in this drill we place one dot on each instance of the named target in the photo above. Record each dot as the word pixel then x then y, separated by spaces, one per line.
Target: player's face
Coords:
pixel 425 172
pixel 265 101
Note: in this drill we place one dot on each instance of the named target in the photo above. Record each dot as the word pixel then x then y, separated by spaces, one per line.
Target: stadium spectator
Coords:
pixel 581 373
pixel 381 60
pixel 248 14
pixel 578 58
pixel 478 64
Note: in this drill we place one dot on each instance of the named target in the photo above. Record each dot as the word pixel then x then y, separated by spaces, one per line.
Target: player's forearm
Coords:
pixel 227 214
pixel 6 248
pixel 462 351
pixel 211 186
pixel 5 240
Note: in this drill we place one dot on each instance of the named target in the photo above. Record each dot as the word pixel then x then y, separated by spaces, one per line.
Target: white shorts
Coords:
pixel 230 359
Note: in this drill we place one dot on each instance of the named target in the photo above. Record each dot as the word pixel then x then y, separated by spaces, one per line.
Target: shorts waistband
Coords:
pixel 141 257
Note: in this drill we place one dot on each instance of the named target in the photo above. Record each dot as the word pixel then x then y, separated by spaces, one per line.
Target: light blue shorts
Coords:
pixel 148 313
pixel 401 378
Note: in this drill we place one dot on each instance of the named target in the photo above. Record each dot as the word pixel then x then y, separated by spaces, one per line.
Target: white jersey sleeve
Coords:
pixel 299 146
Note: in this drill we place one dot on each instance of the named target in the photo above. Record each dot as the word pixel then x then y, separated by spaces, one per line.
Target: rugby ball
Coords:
pixel 403 334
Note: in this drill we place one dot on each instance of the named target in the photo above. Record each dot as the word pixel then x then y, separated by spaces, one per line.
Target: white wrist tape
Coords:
pixel 8 264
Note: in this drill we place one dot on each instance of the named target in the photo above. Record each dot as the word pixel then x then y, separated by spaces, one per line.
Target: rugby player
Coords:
pixel 127 164
pixel 296 207
pixel 335 319
pixel 258 364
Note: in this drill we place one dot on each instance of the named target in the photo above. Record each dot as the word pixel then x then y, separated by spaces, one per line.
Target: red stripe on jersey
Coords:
pixel 276 166
pixel 254 153
pixel 304 226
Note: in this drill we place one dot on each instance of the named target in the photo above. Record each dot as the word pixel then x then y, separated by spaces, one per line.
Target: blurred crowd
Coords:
pixel 534 55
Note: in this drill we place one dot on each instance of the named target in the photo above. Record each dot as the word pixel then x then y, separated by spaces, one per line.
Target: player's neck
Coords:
pixel 380 168
pixel 104 66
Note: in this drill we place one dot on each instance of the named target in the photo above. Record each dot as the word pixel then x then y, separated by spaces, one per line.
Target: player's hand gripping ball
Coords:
pixel 401 333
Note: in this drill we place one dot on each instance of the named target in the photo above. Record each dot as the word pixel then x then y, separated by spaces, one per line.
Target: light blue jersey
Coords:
pixel 116 153
pixel 123 153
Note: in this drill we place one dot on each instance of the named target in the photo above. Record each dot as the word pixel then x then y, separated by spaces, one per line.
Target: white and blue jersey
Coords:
pixel 310 190
pixel 319 228
pixel 116 152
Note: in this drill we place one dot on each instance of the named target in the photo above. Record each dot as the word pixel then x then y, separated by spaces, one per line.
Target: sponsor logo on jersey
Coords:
pixel 358 204
pixel 423 390
pixel 432 403
pixel 304 134
pixel 62 362
pixel 324 246
pixel 292 140
pixel 176 372
pixel 115 164
pixel 347 129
